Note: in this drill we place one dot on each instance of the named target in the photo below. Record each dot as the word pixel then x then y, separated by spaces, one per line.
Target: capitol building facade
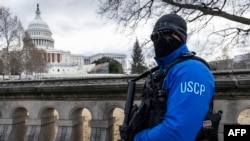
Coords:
pixel 60 62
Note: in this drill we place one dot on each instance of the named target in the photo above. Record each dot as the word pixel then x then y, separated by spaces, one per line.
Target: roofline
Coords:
pixel 108 54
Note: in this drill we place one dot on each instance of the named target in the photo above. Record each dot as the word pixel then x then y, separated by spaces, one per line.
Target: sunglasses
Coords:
pixel 155 35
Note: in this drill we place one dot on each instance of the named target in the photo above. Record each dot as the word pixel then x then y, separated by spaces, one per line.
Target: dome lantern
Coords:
pixel 39 31
pixel 38 11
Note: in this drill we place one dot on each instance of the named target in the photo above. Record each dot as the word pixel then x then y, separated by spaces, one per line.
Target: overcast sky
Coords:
pixel 75 25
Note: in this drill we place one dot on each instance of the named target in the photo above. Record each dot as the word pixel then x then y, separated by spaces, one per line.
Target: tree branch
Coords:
pixel 211 11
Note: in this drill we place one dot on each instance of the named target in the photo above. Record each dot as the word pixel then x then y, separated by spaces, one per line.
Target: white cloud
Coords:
pixel 75 25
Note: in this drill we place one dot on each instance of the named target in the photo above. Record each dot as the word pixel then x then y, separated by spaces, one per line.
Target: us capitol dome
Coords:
pixel 60 62
pixel 40 32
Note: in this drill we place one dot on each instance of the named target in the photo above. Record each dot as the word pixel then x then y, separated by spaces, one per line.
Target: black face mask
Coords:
pixel 165 45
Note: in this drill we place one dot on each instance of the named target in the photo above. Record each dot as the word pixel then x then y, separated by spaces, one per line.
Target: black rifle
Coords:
pixel 128 128
pixel 136 117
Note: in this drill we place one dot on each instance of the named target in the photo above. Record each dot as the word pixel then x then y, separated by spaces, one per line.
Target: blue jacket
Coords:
pixel 191 87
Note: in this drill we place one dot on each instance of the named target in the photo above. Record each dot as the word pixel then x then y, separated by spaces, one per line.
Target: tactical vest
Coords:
pixel 153 90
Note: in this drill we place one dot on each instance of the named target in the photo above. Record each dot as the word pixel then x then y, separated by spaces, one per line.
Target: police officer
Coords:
pixel 190 84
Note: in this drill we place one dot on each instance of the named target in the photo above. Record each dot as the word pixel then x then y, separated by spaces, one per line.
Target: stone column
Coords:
pixel 45 56
pixel 34 128
pixel 5 129
pixel 102 130
pixel 55 55
pixel 40 129
pixel 70 130
pixel 59 57
pixel 48 55
pixel 12 129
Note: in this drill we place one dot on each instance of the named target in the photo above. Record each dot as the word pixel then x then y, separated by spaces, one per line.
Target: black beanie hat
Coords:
pixel 172 22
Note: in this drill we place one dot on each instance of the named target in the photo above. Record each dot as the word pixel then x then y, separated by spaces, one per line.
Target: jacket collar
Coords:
pixel 162 62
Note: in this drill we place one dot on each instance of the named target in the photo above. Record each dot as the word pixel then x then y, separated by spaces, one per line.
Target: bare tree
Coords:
pixel 1 67
pixel 11 32
pixel 236 13
pixel 16 62
pixel 33 58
